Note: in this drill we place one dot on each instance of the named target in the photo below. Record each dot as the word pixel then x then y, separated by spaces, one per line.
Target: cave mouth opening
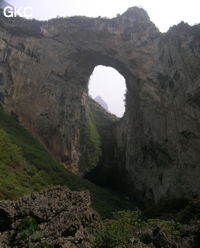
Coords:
pixel 108 88
pixel 108 84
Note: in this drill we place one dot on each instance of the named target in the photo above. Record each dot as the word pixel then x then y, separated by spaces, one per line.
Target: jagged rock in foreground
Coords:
pixel 60 218
pixel 54 216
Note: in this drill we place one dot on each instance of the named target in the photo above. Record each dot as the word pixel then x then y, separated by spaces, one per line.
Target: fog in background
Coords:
pixel 110 85
pixel 163 13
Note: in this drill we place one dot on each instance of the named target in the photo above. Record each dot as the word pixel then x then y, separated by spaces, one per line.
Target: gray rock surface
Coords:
pixel 63 218
pixel 44 73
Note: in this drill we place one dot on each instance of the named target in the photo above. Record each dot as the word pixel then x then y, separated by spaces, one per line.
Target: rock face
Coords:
pixel 44 73
pixel 55 216
pixel 100 101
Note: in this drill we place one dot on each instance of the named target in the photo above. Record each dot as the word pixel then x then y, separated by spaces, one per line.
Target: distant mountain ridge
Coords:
pixel 3 4
pixel 100 101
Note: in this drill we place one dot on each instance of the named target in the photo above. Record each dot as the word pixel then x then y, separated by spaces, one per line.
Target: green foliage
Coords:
pixel 111 235
pixel 127 222
pixel 94 136
pixel 100 115
pixel 35 169
pixel 185 215
pixel 20 181
pixel 92 143
pixel 28 223
pixel 107 171
pixel 188 214
pixel 26 228
pixel 128 217
pixel 10 154
pixel 118 231
pixel 45 245
pixel 134 218
pixel 170 227
pixel 15 176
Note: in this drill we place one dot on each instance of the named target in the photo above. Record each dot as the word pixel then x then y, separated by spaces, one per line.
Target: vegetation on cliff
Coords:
pixel 105 172
pixel 96 137
pixel 16 175
pixel 93 140
pixel 25 166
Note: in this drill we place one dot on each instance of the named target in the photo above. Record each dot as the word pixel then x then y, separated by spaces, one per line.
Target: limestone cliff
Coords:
pixel 44 73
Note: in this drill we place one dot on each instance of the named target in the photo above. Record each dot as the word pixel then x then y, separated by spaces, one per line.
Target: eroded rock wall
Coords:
pixel 166 146
pixel 44 73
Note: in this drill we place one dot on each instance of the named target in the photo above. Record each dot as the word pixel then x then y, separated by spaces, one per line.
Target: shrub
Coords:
pixel 170 227
pixel 10 154
pixel 46 245
pixel 128 217
pixel 27 227
pixel 111 234
pixel 94 136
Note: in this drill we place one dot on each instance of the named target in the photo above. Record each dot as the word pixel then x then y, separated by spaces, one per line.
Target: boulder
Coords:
pixel 56 216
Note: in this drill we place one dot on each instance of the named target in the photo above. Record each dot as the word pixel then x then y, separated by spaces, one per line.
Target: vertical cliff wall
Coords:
pixel 44 73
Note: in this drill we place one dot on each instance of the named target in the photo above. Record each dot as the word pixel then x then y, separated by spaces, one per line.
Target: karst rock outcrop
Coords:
pixel 56 216
pixel 44 73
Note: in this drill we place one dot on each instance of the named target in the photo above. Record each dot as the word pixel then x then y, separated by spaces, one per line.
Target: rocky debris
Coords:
pixel 61 218
pixel 190 236
pixel 136 243
pixel 56 216
pixel 156 238
pixel 160 240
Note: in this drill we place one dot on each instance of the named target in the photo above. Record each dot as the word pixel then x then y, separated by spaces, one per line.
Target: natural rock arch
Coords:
pixel 44 71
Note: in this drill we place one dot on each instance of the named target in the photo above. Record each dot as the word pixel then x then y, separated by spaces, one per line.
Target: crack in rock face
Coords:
pixel 44 73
